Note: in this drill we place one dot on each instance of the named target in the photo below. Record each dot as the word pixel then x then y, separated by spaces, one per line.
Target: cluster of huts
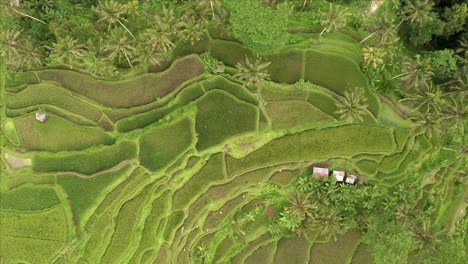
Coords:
pixel 339 175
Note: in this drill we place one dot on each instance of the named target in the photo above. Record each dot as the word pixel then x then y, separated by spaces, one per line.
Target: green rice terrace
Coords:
pixel 219 153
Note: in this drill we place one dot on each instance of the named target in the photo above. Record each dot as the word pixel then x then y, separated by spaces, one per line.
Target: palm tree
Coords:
pixel 335 19
pixel 429 100
pixel 193 31
pixel 198 11
pixel 111 12
pixel 416 73
pixel 353 106
pixel 10 45
pixel 418 11
pixel 30 54
pixel 374 56
pixel 332 224
pixel 455 111
pixel 168 20
pixel 118 45
pixel 385 30
pixel 300 204
pixel 425 235
pixel 429 125
pixel 158 38
pixel 254 72
pixel 67 50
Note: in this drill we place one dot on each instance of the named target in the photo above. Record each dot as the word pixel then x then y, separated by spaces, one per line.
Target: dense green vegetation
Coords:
pixel 180 131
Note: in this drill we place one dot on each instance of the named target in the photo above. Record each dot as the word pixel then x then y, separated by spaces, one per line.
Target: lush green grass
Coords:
pixel 141 120
pixel 10 132
pixel 229 52
pixel 21 78
pixel 287 66
pixel 211 172
pixel 335 252
pixel 125 228
pixel 173 223
pixel 235 89
pixel 362 256
pixel 162 145
pixel 284 177
pixel 221 116
pixel 28 197
pixel 57 134
pixel 50 224
pixel 88 162
pixel 391 163
pixel 149 238
pixel 322 101
pixel 138 91
pixel 282 93
pixel 215 218
pixel 332 71
pixel 292 250
pixel 367 167
pixel 312 144
pixel 245 180
pixel 52 95
pixel 338 74
pixel 93 187
pixel 28 250
pixel 294 113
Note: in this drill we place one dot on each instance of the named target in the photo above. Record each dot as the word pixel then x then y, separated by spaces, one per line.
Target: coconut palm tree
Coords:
pixel 455 111
pixel 428 100
pixel 253 72
pixel 330 223
pixel 169 20
pixel 30 55
pixel 111 12
pixel 429 125
pixel 353 106
pixel 374 56
pixel 199 11
pixel 119 46
pixel 384 29
pixel 10 45
pixel 158 38
pixel 335 19
pixel 67 50
pixel 193 31
pixel 300 204
pixel 426 236
pixel 416 73
pixel 418 11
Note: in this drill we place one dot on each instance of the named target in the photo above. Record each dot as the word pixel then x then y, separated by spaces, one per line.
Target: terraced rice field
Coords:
pixel 156 168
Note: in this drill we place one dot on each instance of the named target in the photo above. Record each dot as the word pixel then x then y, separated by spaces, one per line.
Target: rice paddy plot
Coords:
pixel 221 116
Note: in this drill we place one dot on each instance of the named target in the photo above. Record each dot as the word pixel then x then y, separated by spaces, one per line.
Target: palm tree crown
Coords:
pixel 373 56
pixel 119 46
pixel 335 19
pixel 253 72
pixel 418 11
pixel 111 12
pixel 353 106
pixel 67 50
pixel 417 73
